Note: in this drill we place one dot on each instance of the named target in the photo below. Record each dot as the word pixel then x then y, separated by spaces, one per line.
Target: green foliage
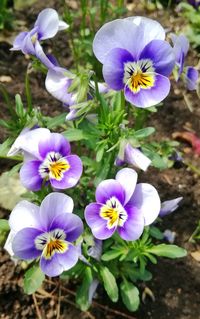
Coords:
pixel 4 229
pixel 33 279
pixel 6 15
pixel 169 251
pixel 82 293
pixel 109 283
pixel 130 295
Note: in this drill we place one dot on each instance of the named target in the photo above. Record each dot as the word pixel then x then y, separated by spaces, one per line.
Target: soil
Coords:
pixel 176 283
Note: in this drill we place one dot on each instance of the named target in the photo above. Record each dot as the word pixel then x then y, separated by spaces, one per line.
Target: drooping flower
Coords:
pixel 169 206
pixel 46 232
pixel 136 58
pixel 190 74
pixel 47 158
pixel 57 83
pixel 122 206
pixel 135 157
pixel 46 27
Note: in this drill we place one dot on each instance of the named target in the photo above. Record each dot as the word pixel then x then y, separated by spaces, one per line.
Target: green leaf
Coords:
pixel 112 254
pixel 19 106
pixel 33 279
pixel 5 146
pixel 144 132
pixel 170 251
pixel 155 232
pixel 130 295
pixel 110 284
pixel 74 134
pixel 82 293
pixel 4 226
pixel 56 121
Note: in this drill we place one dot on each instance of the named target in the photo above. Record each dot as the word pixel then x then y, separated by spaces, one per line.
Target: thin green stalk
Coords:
pixel 28 94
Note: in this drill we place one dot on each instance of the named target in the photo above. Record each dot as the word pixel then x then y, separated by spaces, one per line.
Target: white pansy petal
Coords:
pixel 28 142
pixel 147 200
pixel 47 23
pixel 127 177
pixel 62 25
pixel 25 214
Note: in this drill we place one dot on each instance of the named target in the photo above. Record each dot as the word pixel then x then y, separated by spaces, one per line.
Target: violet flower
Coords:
pixel 122 206
pixel 189 74
pixel 46 27
pixel 46 232
pixel 135 157
pixel 169 206
pixel 57 83
pixel 194 3
pixel 135 59
pixel 47 158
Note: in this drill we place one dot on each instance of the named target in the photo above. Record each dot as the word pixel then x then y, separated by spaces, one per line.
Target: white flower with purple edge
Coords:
pixel 46 232
pixel 47 158
pixel 169 206
pixel 122 206
pixel 133 156
pixel 46 27
pixel 189 73
pixel 136 58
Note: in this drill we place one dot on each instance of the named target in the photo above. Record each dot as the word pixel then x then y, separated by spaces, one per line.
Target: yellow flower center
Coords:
pixel 139 75
pixel 114 213
pixel 54 246
pixel 56 169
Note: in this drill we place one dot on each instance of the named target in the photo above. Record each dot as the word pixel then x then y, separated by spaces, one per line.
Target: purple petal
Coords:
pixel 134 225
pixel 96 250
pixel 29 175
pixel 18 42
pixel 27 45
pixel 113 67
pixel 131 34
pixel 54 143
pixel 162 56
pixel 109 188
pixel 127 177
pixel 70 223
pixel 191 77
pixel 54 205
pixel 24 244
pixel 147 200
pixel 92 290
pixel 97 224
pixel 149 97
pixel 25 214
pixel 72 115
pixel 169 206
pixel 47 23
pixel 39 53
pixel 71 176
pixel 59 262
pixel 57 84
pixel 135 157
pixel 116 34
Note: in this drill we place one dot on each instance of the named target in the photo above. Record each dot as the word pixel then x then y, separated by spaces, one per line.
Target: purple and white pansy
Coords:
pixel 47 158
pixel 122 206
pixel 169 206
pixel 136 58
pixel 133 156
pixel 189 74
pixel 46 232
pixel 46 27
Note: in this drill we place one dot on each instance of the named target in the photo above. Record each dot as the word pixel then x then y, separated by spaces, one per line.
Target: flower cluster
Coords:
pixel 137 59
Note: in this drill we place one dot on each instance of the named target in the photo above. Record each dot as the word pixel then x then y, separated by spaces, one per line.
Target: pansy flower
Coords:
pixel 122 206
pixel 46 233
pixel 136 58
pixel 133 156
pixel 169 206
pixel 189 74
pixel 46 27
pixel 47 158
